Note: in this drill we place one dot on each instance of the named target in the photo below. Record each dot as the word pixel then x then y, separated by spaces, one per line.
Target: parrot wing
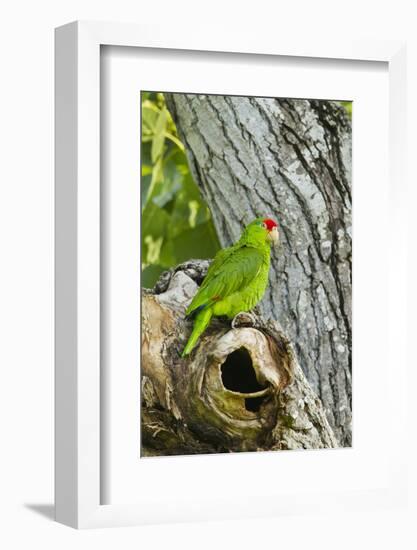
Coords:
pixel 231 271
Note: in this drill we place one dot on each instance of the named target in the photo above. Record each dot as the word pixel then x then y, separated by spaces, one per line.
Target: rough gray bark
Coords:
pixel 240 390
pixel 289 159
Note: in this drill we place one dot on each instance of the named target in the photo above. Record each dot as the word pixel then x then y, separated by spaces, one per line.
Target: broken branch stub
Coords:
pixel 241 389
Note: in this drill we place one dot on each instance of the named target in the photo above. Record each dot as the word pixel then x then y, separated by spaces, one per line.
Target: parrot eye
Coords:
pixel 263 225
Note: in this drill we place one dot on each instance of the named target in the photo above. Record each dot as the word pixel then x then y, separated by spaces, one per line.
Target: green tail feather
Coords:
pixel 201 322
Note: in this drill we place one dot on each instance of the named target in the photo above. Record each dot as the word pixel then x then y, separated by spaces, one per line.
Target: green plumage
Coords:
pixel 235 282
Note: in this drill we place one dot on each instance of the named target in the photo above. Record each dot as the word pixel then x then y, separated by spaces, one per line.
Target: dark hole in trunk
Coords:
pixel 238 373
pixel 254 403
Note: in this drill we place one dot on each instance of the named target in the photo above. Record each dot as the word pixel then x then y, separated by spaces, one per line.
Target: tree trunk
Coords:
pixel 240 390
pixel 289 159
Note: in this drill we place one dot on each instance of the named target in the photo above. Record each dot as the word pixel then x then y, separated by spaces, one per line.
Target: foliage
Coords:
pixel 348 107
pixel 176 222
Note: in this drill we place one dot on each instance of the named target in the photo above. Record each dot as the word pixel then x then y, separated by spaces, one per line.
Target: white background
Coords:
pixel 26 292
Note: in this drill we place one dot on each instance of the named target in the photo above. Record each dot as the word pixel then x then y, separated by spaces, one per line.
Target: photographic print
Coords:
pixel 246 251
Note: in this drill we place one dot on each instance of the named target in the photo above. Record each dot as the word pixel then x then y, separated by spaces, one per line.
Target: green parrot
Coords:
pixel 236 279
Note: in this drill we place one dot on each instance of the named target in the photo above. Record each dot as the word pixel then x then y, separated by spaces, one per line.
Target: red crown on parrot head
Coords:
pixel 270 224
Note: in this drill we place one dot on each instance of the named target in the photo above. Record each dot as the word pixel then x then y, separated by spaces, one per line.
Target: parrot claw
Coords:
pixel 243 319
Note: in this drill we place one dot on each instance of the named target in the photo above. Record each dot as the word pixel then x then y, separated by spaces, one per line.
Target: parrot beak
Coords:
pixel 273 236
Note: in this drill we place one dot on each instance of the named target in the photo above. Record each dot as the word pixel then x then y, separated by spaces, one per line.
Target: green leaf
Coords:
pixel 179 219
pixel 157 178
pixel 145 183
pixel 159 135
pixel 167 196
pixel 150 275
pixel 146 170
pixel 154 226
pixel 190 188
pixel 149 117
pixel 348 107
pixel 167 256
pixel 175 140
pixel 199 242
pixel 145 154
pixel 176 223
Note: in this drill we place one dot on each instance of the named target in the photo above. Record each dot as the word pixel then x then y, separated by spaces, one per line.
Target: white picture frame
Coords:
pixel 77 242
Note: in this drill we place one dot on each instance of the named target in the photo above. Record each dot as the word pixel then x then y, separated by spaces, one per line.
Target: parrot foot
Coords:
pixel 243 319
